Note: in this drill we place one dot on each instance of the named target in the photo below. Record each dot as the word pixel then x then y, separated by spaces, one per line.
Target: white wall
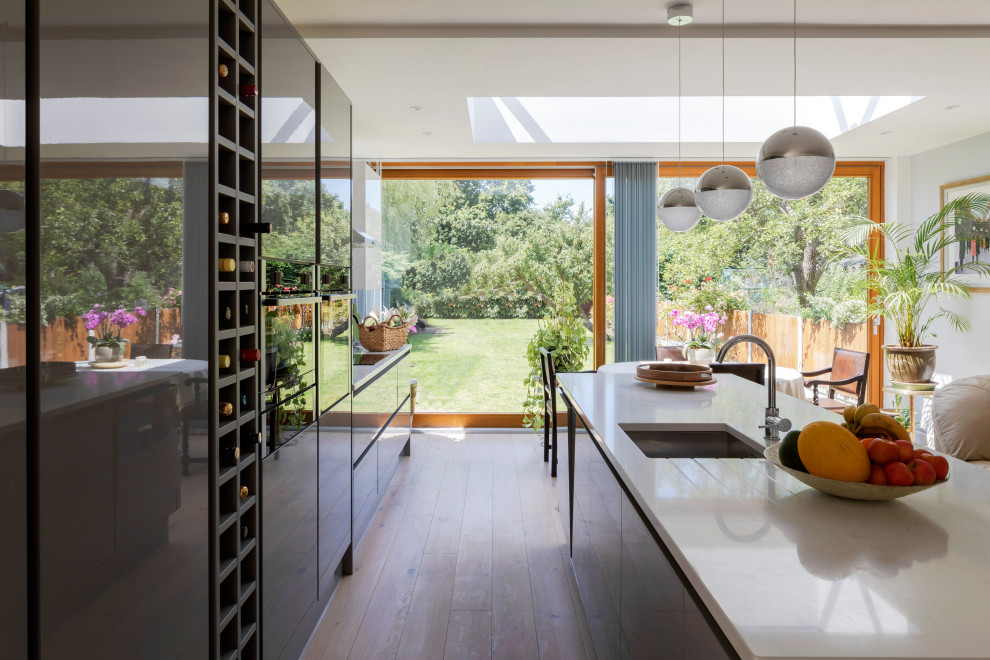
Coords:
pixel 913 195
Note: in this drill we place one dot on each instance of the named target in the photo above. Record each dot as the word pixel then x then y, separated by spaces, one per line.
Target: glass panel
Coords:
pixel 288 136
pixel 335 352
pixel 482 262
pixel 13 519
pixel 124 487
pixel 335 175
pixel 289 370
pixel 767 272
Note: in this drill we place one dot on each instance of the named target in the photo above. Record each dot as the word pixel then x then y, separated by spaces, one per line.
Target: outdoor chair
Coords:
pixel 674 353
pixel 152 351
pixel 848 371
pixel 751 371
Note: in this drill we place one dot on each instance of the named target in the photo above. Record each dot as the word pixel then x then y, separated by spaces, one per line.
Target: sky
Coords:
pixel 581 190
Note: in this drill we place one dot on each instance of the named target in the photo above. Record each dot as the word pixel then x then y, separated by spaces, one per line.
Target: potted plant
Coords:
pixel 561 332
pixel 901 287
pixel 703 339
pixel 108 325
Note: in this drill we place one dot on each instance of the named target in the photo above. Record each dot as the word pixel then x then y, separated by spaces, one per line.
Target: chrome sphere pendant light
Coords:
pixel 677 208
pixel 724 192
pixel 795 162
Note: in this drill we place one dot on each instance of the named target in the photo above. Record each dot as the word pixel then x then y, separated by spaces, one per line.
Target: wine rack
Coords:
pixel 234 467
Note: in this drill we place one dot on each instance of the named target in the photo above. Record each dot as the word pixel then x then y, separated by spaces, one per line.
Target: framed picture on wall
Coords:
pixel 973 235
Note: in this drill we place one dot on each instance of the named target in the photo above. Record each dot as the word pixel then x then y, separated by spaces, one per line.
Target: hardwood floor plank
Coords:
pixel 425 632
pixel 469 636
pixel 339 626
pixel 557 628
pixel 381 629
pixel 473 578
pixel 513 620
pixel 445 532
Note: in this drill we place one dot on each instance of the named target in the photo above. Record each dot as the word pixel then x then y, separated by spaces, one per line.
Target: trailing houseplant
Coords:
pixel 901 285
pixel 561 332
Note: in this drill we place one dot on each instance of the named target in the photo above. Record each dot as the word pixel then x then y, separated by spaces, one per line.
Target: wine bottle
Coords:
pixel 226 409
pixel 247 310
pixel 232 453
pixel 256 228
pixel 245 532
pixel 244 492
pixel 224 71
pixel 244 400
pixel 224 218
pixel 250 355
pixel 228 265
pixel 247 89
pixel 227 312
pixel 246 266
pixel 223 361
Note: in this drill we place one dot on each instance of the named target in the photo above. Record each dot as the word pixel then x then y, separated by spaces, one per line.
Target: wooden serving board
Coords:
pixel 675 372
pixel 676 383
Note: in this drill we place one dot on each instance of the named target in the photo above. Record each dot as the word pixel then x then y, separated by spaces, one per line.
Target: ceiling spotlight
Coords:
pixel 952 107
pixel 415 108
pixel 723 192
pixel 427 132
pixel 680 15
pixel 795 162
pixel 886 132
pixel 678 210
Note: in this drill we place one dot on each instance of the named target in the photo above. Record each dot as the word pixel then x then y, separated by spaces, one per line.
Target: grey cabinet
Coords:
pixel 334 492
pixel 635 601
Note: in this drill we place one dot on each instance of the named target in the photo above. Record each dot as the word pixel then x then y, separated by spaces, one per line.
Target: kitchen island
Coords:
pixel 731 557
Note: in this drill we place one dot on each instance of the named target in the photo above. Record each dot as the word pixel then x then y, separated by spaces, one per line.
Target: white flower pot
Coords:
pixel 700 355
pixel 107 353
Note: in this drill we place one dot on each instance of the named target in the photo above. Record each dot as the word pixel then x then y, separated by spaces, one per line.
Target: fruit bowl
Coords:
pixel 850 490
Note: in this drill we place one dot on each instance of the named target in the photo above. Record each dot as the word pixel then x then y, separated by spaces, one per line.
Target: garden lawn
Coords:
pixel 475 365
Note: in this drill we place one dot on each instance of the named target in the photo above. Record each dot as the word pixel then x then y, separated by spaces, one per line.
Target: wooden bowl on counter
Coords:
pixel 849 490
pixel 674 374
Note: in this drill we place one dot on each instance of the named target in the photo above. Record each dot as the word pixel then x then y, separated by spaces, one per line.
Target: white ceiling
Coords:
pixel 389 55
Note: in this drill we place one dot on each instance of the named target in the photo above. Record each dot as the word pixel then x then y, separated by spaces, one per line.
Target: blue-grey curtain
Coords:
pixel 635 261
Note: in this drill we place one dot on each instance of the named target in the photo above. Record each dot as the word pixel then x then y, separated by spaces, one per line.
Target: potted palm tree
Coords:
pixel 902 285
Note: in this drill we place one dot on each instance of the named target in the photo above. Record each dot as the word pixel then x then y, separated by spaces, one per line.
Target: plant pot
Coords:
pixel 910 364
pixel 107 353
pixel 700 355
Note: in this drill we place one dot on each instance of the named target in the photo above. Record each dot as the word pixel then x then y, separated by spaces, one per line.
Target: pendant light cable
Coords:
pixel 794 36
pixel 679 165
pixel 723 82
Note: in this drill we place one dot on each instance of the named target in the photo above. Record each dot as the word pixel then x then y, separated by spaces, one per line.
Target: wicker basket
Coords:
pixel 383 337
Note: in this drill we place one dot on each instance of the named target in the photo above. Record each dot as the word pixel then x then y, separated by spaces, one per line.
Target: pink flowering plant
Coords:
pixel 108 324
pixel 702 328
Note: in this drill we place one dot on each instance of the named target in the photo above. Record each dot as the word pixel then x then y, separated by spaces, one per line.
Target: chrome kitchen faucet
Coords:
pixel 774 422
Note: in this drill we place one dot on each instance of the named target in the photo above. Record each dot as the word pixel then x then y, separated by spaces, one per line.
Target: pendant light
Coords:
pixel 677 208
pixel 795 162
pixel 724 192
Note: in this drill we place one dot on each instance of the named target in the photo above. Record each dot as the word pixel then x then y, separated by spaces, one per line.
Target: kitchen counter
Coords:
pixel 786 571
pixel 368 364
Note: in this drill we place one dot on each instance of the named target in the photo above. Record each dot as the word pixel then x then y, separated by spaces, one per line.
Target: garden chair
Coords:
pixel 549 377
pixel 848 370
pixel 670 353
pixel 152 351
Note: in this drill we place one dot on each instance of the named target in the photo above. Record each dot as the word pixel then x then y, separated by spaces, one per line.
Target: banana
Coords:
pixel 874 422
pixel 849 413
pixel 863 411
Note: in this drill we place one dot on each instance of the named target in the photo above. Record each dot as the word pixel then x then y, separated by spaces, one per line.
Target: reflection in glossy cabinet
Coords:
pixel 335 491
pixel 596 548
pixel 289 530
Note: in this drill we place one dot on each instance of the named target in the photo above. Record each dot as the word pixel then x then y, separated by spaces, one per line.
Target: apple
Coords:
pixel 923 471
pixel 883 451
pixel 918 453
pixel 877 476
pixel 907 450
pixel 898 474
pixel 940 463
pixel 866 442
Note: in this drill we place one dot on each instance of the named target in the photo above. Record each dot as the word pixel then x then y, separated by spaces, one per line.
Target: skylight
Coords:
pixel 500 119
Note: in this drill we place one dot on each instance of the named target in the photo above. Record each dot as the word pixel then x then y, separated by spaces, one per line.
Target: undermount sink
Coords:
pixel 670 441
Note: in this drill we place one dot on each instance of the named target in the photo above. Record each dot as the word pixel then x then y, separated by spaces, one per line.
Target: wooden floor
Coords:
pixel 465 558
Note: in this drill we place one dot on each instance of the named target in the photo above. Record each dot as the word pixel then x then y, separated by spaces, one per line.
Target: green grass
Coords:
pixel 475 365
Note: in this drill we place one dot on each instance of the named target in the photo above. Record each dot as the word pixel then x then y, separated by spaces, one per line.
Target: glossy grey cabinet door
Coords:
pixel 289 480
pixel 335 490
pixel 659 618
pixel 597 545
pixel 365 493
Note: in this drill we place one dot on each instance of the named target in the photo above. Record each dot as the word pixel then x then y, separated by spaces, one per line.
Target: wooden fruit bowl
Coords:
pixel 847 489
pixel 674 372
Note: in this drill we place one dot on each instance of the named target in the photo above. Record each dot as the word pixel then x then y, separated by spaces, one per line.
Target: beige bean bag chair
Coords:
pixel 961 420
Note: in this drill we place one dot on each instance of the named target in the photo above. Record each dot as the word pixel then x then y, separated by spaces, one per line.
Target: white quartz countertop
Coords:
pixel 786 571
